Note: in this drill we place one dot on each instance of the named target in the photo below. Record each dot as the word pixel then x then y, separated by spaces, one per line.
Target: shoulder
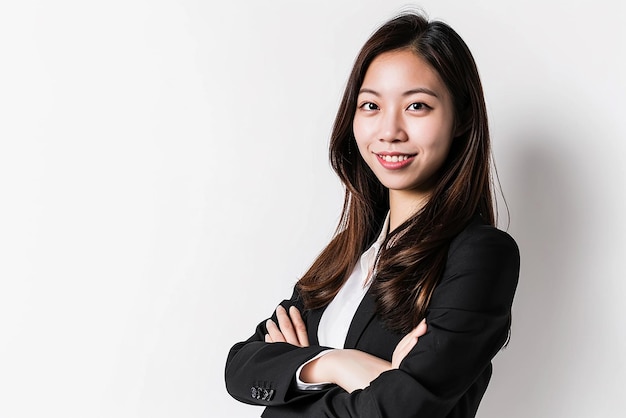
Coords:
pixel 482 266
pixel 477 234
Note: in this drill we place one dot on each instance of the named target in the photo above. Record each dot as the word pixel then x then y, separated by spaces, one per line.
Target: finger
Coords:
pixel 405 345
pixel 420 329
pixel 274 331
pixel 299 326
pixel 406 349
pixel 402 350
pixel 286 327
pixel 268 339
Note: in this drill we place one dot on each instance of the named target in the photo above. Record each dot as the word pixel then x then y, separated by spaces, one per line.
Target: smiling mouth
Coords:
pixel 395 158
pixel 395 161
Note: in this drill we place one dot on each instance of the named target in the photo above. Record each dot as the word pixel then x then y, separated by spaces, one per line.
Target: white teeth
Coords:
pixel 394 158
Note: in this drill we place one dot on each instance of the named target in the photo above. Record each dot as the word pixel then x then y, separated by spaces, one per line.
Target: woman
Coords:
pixel 403 311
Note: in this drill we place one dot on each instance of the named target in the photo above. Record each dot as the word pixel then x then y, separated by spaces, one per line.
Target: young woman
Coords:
pixel 403 311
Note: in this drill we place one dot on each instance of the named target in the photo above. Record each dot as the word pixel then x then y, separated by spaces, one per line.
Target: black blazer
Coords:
pixel 446 373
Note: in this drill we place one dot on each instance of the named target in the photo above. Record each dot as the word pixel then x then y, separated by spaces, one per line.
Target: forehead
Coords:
pixel 401 70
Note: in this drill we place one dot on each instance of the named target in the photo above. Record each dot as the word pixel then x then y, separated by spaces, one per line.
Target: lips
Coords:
pixel 395 161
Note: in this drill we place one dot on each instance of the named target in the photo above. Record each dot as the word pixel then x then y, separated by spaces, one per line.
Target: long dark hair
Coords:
pixel 408 270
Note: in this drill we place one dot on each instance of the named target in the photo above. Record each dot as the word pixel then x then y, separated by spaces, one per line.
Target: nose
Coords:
pixel 392 128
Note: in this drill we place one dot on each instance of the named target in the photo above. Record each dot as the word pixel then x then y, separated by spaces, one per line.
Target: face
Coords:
pixel 404 122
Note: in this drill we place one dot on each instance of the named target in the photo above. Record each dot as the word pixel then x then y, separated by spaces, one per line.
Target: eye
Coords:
pixel 369 106
pixel 418 106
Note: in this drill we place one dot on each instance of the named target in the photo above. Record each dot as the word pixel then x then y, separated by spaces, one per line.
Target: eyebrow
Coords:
pixel 406 93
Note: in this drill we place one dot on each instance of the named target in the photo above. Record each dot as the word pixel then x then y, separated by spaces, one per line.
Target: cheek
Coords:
pixel 437 137
pixel 363 151
pixel 362 135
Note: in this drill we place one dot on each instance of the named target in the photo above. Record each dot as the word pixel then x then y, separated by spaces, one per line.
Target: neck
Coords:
pixel 404 204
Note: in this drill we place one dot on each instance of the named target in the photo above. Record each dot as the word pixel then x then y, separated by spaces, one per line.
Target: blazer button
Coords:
pixel 254 392
pixel 268 395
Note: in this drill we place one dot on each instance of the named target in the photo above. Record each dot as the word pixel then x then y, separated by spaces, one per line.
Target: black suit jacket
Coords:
pixel 446 373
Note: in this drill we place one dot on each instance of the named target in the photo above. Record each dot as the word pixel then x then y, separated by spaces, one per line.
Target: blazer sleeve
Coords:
pixel 263 373
pixel 468 322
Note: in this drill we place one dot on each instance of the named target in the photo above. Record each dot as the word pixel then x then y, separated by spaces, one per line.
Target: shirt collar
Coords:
pixel 368 258
pixel 383 234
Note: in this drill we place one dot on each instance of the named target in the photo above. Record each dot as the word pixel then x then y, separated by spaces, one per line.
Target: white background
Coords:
pixel 164 181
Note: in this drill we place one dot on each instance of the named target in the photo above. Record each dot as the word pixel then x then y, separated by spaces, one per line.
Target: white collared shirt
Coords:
pixel 338 315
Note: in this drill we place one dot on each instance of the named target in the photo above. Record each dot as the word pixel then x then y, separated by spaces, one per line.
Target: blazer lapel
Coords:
pixel 312 324
pixel 363 316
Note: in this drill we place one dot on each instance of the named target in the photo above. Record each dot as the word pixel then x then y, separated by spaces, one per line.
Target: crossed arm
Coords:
pixel 348 368
pixel 447 372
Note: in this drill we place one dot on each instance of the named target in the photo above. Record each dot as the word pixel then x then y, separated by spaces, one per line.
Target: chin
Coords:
pixel 400 187
pixel 399 184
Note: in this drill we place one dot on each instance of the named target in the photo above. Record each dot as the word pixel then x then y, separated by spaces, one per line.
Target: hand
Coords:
pixel 407 343
pixel 354 369
pixel 290 329
pixel 351 369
